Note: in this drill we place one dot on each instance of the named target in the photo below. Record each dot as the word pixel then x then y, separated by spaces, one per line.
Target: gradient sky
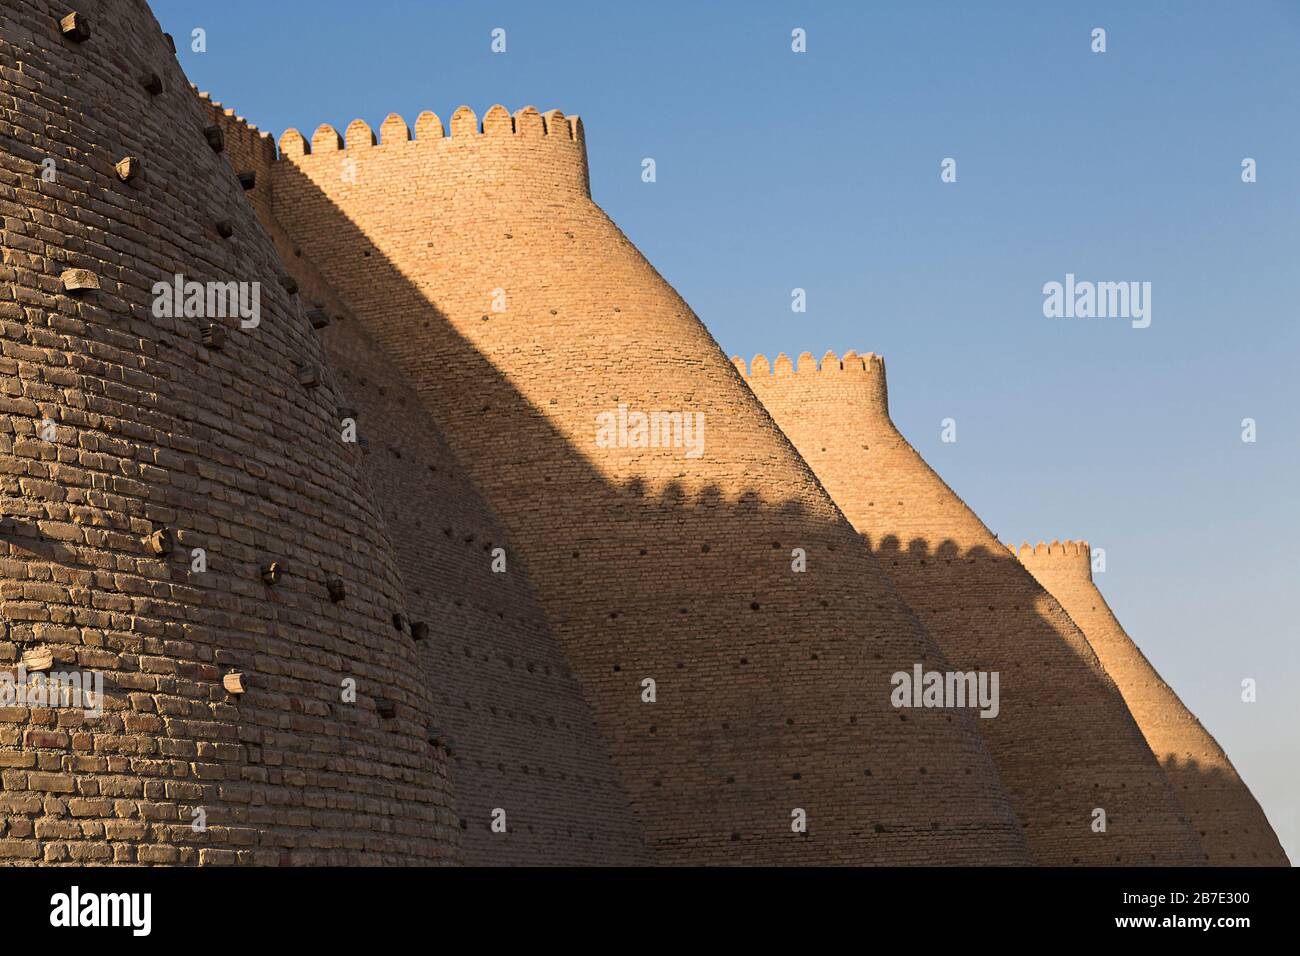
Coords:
pixel 821 171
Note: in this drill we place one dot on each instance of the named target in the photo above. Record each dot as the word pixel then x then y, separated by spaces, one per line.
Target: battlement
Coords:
pixel 1057 549
pixel 497 122
pixel 1058 557
pixel 863 376
pixel 808 365
pixel 257 142
pixel 553 144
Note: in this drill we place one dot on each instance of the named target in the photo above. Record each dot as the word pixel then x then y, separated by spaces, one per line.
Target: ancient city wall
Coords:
pixel 508 707
pixel 398 555
pixel 521 735
pixel 520 314
pixel 128 440
pixel 1064 741
pixel 1231 826
pixel 250 152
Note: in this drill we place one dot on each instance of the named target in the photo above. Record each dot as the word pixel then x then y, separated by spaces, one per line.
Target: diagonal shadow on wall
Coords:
pixel 772 687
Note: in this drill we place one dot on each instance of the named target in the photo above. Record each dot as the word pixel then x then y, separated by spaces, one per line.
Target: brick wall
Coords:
pixel 223 447
pixel 1232 827
pixel 1064 742
pixel 248 150
pixel 479 425
pixel 771 686
pixel 524 739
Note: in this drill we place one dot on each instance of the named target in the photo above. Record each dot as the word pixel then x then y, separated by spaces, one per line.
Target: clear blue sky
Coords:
pixel 821 171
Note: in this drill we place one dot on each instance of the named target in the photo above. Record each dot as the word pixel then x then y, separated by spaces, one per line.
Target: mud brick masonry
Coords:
pixel 1064 737
pixel 470 594
pixel 1231 826
pixel 225 450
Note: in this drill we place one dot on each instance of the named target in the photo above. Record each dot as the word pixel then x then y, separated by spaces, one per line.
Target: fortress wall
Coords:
pixel 1230 823
pixel 508 707
pixel 1064 741
pixel 523 738
pixel 772 687
pixel 247 150
pixel 230 451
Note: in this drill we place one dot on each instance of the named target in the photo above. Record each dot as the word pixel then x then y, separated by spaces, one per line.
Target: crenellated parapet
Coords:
pixel 551 144
pixel 858 379
pixel 244 133
pixel 250 151
pixel 807 364
pixel 1068 558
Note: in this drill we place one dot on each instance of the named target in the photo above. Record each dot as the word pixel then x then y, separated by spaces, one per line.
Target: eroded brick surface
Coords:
pixel 116 423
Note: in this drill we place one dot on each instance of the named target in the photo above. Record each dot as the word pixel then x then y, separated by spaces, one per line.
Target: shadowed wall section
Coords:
pixel 120 422
pixel 1064 742
pixel 1231 825
pixel 508 706
pixel 520 313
